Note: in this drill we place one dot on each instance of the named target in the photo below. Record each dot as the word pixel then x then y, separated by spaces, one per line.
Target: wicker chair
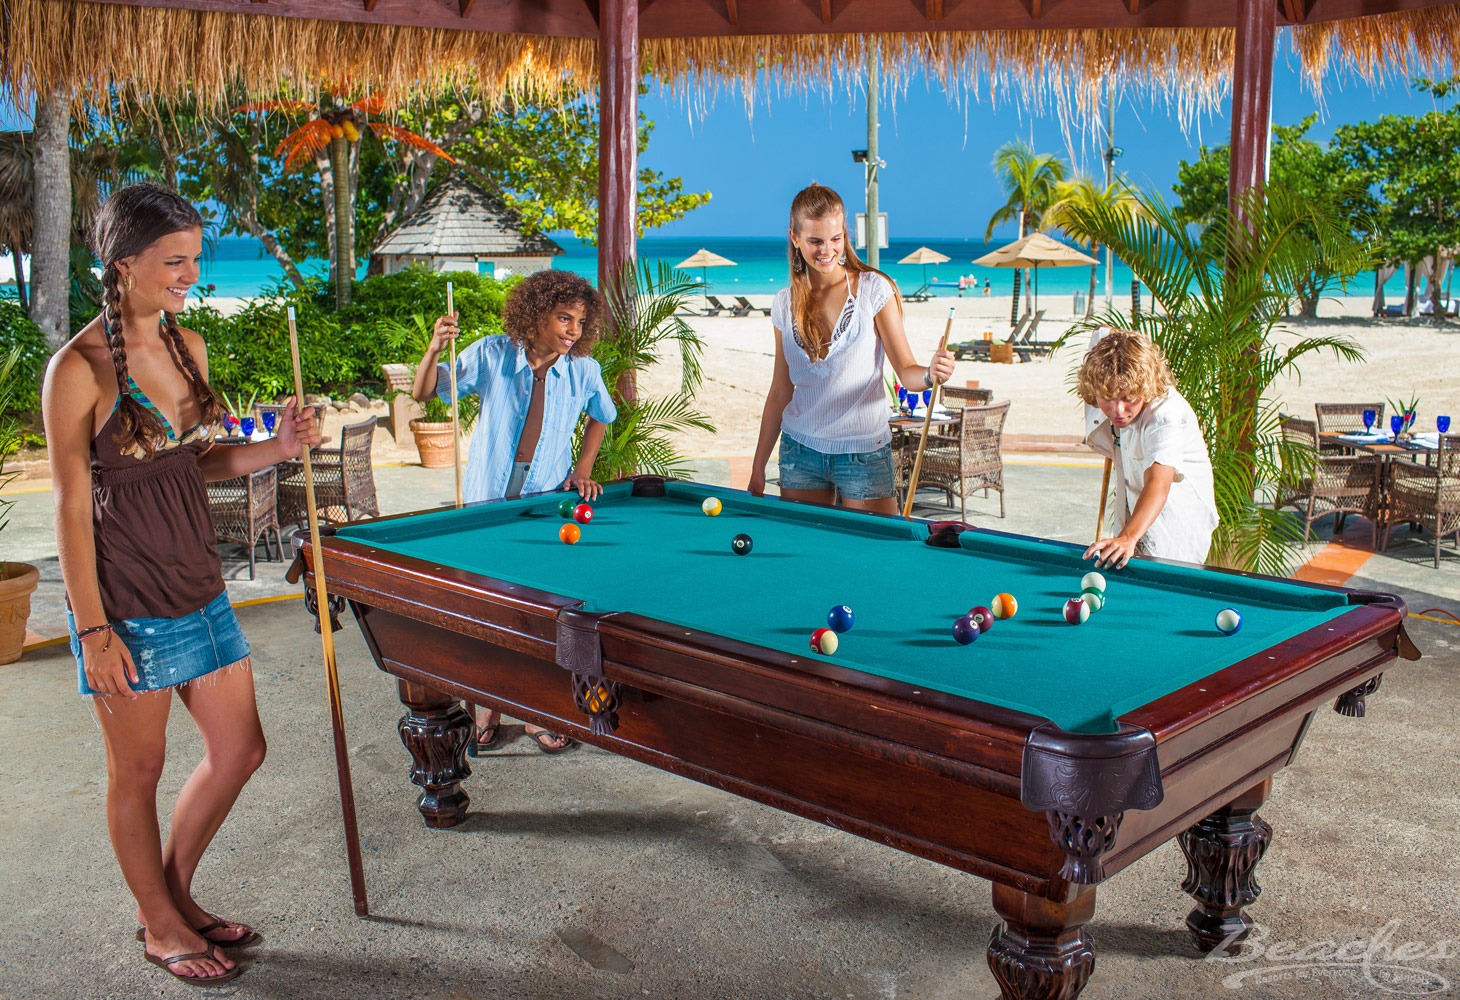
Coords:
pixel 344 479
pixel 1345 418
pixel 955 398
pixel 1427 494
pixel 1338 484
pixel 974 460
pixel 243 511
pixel 278 409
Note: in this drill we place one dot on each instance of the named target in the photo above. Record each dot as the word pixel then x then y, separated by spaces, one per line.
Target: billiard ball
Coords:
pixel 570 532
pixel 1094 598
pixel 711 506
pixel 565 508
pixel 824 641
pixel 741 545
pixel 1004 606
pixel 840 618
pixel 965 630
pixel 1092 580
pixel 1229 621
pixel 583 513
pixel 1077 612
pixel 982 616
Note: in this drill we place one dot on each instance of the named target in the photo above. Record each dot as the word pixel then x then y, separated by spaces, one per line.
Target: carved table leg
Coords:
pixel 1222 852
pixel 435 731
pixel 1041 950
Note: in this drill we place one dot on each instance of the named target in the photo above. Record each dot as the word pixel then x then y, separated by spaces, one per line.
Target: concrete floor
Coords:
pixel 591 876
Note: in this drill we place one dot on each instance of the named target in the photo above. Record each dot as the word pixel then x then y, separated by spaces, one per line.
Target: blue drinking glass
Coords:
pixel 912 403
pixel 1442 423
pixel 927 397
pixel 1410 418
pixel 1396 424
pixel 902 394
pixel 270 418
pixel 1370 416
pixel 245 427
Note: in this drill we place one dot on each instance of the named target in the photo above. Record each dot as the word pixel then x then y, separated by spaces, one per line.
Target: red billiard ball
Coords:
pixel 824 641
pixel 582 513
pixel 570 532
pixel 1077 612
pixel 982 616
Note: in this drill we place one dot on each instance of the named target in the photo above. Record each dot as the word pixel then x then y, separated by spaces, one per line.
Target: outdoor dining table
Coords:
pixel 1383 446
pixel 905 434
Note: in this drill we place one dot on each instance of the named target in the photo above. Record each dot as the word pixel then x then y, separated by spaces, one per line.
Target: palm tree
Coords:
pixel 333 129
pixel 1089 195
pixel 1029 179
pixel 1222 295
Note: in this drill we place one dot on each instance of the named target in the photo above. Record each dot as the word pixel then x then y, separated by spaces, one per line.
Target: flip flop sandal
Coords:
pixel 476 746
pixel 166 964
pixel 248 939
pixel 544 740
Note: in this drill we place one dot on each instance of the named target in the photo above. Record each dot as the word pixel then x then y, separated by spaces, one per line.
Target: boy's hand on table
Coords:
pixel 588 488
pixel 1113 552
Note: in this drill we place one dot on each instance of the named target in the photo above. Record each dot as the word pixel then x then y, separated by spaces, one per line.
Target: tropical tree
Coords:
pixel 1299 166
pixel 1029 180
pixel 645 308
pixel 329 139
pixel 1222 293
pixel 1091 195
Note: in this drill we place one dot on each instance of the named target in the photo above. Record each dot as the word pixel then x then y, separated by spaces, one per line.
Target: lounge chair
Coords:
pixel 744 303
pixel 978 350
pixel 921 295
pixel 1027 346
pixel 716 307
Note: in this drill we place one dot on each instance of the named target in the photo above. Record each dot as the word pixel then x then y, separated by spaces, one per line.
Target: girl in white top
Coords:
pixel 1165 503
pixel 836 326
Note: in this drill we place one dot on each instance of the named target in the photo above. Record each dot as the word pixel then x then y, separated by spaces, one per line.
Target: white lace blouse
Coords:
pixel 839 405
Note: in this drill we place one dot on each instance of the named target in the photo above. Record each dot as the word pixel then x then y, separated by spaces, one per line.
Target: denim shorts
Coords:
pixel 172 651
pixel 862 475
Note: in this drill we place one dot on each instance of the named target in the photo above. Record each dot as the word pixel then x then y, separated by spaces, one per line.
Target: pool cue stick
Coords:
pixel 1104 494
pixel 917 469
pixel 331 670
pixel 455 424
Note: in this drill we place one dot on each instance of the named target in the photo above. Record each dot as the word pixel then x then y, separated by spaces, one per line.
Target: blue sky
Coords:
pixel 938 181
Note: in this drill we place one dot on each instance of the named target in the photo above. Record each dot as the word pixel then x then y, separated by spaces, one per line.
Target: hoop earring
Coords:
pixel 842 260
pixel 130 281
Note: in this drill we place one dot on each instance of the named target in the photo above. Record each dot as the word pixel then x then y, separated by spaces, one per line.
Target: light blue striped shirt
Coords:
pixel 496 369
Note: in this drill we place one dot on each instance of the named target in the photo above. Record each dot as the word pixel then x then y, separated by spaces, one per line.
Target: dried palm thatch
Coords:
pixel 147 52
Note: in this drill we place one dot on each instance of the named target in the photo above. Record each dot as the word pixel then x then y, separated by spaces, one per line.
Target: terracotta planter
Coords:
pixel 433 441
pixel 17 582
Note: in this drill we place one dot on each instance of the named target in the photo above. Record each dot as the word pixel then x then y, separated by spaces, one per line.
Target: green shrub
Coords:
pixel 19 334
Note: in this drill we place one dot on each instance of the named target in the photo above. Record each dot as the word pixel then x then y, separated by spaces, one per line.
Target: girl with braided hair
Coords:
pixel 130 420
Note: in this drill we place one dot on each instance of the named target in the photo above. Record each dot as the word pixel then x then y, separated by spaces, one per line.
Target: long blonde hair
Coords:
pixel 817 201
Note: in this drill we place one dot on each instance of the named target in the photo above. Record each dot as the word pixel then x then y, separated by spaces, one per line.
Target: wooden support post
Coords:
pixel 618 134
pixel 1251 95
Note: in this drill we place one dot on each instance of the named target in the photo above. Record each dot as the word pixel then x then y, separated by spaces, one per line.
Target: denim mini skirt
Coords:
pixel 864 475
pixel 172 651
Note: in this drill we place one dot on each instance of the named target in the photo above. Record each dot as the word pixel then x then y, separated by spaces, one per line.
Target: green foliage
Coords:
pixel 24 341
pixel 1221 296
pixel 643 322
pixel 411 340
pixel 10 435
pixel 1030 180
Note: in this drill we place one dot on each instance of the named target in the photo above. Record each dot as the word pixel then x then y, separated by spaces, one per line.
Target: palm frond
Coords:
pixel 388 131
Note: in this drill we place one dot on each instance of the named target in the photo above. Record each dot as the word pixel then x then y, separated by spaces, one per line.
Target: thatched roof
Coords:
pixel 459 219
pixel 1042 50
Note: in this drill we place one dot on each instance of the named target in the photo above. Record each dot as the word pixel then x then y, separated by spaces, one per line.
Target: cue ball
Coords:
pixel 1004 606
pixel 965 630
pixel 983 616
pixel 565 508
pixel 711 506
pixel 570 532
pixel 741 545
pixel 1094 598
pixel 840 618
pixel 1092 580
pixel 824 641
pixel 583 513
pixel 1229 621
pixel 1077 612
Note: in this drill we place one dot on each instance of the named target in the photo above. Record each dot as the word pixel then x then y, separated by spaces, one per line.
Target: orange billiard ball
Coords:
pixel 1004 606
pixel 570 532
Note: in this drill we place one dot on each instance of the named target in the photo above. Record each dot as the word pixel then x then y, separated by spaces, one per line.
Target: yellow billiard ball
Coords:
pixel 711 506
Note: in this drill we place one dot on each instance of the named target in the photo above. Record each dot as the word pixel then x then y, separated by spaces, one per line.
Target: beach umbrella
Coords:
pixel 704 259
pixel 925 256
pixel 1035 250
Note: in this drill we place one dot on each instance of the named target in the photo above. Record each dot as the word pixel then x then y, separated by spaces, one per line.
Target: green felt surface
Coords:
pixel 665 559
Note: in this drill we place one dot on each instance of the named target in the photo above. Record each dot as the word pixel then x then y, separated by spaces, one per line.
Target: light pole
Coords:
pixel 874 238
pixel 1111 152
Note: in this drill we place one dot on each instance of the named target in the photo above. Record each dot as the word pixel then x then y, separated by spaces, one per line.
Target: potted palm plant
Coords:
pixel 433 430
pixel 17 580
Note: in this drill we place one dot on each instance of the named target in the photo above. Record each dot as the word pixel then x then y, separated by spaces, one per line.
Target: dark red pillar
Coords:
pixel 618 114
pixel 1251 95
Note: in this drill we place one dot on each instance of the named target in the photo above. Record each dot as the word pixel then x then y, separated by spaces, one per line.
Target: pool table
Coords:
pixel 1043 757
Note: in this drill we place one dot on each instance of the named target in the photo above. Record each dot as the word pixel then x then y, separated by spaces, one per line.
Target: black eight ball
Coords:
pixel 741 544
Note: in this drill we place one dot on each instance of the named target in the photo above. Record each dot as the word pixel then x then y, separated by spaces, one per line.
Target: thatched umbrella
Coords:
pixel 925 256
pixel 704 259
pixel 1032 251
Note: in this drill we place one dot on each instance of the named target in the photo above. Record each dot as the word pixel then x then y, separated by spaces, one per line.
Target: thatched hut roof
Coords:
pixel 1040 49
pixel 460 219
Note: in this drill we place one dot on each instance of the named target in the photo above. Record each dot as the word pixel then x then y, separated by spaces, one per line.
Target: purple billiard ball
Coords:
pixel 965 630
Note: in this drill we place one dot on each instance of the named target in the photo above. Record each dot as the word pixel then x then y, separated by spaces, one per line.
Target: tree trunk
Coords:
pixel 20 280
pixel 1411 278
pixel 1094 277
pixel 344 242
pixel 1437 302
pixel 276 250
pixel 50 260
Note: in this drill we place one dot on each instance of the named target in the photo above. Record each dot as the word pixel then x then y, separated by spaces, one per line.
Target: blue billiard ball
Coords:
pixel 840 618
pixel 965 630
pixel 1229 621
